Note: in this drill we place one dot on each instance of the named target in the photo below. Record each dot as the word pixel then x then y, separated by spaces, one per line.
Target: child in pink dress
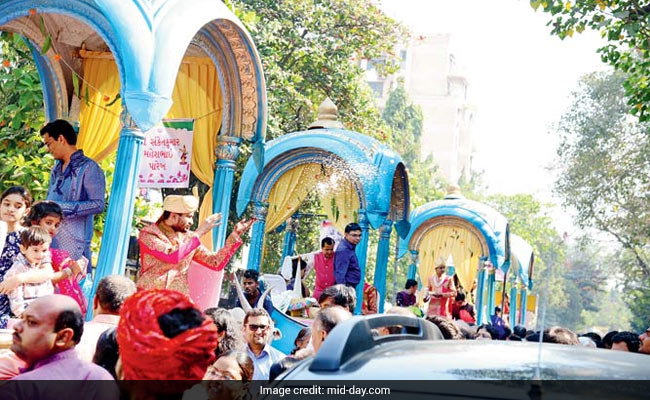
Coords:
pixel 48 215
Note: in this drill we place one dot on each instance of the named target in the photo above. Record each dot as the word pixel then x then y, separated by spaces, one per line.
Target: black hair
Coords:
pixel 596 338
pixel 497 309
pixel 410 283
pixel 607 339
pixel 72 319
pixel 281 366
pixel 304 333
pixel 60 127
pixel 180 320
pixel 352 226
pixel 631 340
pixel 244 362
pixel 460 296
pixel 520 331
pixel 34 236
pixel 251 274
pixel 19 190
pixel 327 240
pixel 42 209
pixel 113 290
pixel 107 351
pixel 257 312
pixel 294 265
pixel 165 215
pixel 343 296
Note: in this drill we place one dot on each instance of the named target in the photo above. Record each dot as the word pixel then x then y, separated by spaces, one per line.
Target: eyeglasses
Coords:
pixel 255 327
pixel 355 234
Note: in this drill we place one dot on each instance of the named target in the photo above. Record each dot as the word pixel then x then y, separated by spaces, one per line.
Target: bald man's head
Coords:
pixel 325 321
pixel 49 325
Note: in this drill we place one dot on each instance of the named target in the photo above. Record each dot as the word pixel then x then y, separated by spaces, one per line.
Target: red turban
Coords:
pixel 147 354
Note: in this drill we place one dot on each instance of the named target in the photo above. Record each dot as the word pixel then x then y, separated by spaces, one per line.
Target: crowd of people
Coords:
pixel 152 330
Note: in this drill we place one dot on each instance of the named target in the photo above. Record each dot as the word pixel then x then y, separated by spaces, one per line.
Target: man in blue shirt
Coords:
pixel 77 184
pixel 346 264
pixel 257 333
pixel 253 293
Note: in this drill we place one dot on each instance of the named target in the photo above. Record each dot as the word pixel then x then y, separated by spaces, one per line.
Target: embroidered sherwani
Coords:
pixel 80 191
pixel 166 255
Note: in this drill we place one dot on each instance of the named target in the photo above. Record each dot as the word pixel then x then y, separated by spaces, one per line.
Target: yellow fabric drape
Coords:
pixel 341 205
pixel 99 123
pixel 197 95
pixel 289 191
pixel 443 241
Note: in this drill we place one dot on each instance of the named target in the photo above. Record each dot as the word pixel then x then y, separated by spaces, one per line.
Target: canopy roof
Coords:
pixel 489 223
pixel 376 171
pixel 522 259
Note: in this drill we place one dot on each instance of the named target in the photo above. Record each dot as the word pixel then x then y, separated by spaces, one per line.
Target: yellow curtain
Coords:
pixel 289 191
pixel 99 123
pixel 443 241
pixel 197 95
pixel 341 204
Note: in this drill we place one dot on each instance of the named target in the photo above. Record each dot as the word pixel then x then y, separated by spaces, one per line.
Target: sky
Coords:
pixel 520 78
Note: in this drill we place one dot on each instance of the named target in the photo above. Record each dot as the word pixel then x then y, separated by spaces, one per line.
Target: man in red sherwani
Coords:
pixel 168 247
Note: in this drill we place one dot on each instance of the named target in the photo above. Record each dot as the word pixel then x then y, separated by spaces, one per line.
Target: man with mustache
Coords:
pixel 168 247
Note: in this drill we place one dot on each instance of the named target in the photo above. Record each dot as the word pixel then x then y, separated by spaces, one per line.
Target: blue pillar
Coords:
pixel 480 291
pixel 115 241
pixel 362 253
pixel 383 251
pixel 289 237
pixel 413 266
pixel 257 236
pixel 490 291
pixel 513 303
pixel 224 176
pixel 523 301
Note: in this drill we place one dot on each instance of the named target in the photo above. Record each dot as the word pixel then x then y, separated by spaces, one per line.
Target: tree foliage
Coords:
pixel 624 25
pixel 604 176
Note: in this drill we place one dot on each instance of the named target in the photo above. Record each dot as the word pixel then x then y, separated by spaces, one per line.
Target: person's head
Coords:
pixel 59 137
pixel 559 335
pixel 339 295
pixel 49 325
pixel 163 336
pixel 250 282
pixel 14 204
pixel 607 339
pixel 460 298
pixel 302 339
pixel 440 269
pixel 178 212
pixel 645 341
pixel 303 267
pixel 107 351
pixel 626 341
pixel 35 244
pixel 411 286
pixel 327 247
pixel 257 328
pixel 46 214
pixel 112 291
pixel 228 330
pixel 520 331
pixel 353 233
pixel 233 365
pixel 395 329
pixel 497 311
pixel 447 326
pixel 594 337
pixel 485 330
pixel 325 321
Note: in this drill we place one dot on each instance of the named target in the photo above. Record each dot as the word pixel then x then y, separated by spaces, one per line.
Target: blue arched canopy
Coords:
pixel 522 259
pixel 492 226
pixel 377 172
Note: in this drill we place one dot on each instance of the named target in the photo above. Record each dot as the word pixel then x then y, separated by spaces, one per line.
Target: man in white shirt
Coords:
pixel 257 332
pixel 112 290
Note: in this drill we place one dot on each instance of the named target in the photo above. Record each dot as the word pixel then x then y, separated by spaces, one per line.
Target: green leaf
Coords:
pixel 43 32
pixel 46 45
pixel 86 96
pixel 535 4
pixel 75 84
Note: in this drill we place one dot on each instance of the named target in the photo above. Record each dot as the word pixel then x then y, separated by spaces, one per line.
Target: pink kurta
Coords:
pixel 165 257
pixel 441 305
pixel 324 273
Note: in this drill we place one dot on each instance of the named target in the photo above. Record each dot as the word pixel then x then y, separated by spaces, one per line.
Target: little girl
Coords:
pixel 48 215
pixel 14 204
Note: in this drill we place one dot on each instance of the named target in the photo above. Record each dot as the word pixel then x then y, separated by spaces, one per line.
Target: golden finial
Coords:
pixel 327 116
